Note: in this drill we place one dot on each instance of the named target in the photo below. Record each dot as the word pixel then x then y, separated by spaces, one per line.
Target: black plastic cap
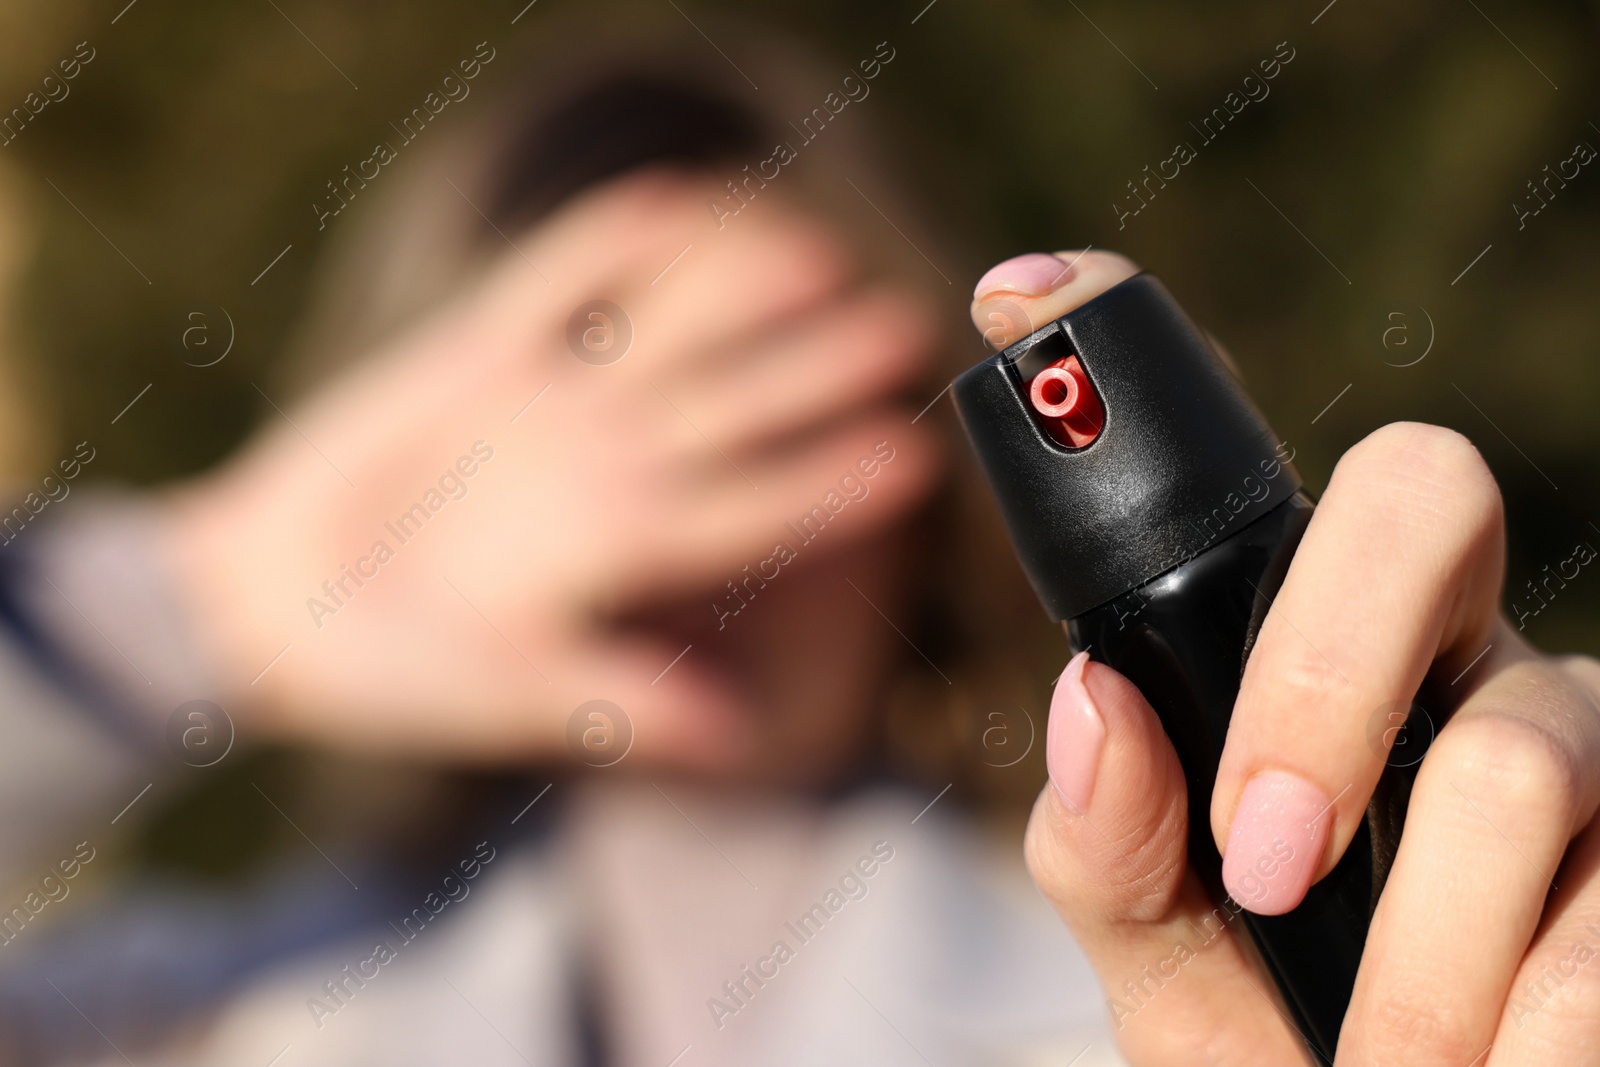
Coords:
pixel 1183 461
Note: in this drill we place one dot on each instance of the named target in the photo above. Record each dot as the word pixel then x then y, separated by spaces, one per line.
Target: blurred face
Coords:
pixel 809 655
pixel 799 630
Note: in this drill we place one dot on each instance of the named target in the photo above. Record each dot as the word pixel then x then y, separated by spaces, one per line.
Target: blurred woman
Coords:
pixel 616 453
pixel 639 473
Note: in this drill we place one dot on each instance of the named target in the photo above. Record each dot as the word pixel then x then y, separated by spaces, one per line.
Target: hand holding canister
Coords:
pixel 1230 776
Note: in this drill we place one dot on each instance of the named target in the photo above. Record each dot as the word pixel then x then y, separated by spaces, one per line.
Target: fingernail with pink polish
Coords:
pixel 1034 274
pixel 1074 738
pixel 1275 844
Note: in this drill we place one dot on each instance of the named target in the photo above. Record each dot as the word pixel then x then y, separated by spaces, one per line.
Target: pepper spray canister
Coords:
pixel 1155 514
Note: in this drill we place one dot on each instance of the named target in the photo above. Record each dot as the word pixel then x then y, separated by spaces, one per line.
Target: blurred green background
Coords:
pixel 1387 156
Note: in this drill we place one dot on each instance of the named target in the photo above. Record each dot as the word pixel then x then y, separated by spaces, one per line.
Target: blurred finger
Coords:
pixel 833 361
pixel 603 242
pixel 729 286
pixel 593 247
pixel 828 494
pixel 677 709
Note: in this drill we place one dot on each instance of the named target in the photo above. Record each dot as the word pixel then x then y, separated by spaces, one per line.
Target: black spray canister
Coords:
pixel 1156 513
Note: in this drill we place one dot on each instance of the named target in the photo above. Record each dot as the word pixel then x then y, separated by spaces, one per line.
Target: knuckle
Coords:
pixel 1585 670
pixel 1178 1032
pixel 1514 760
pixel 1051 856
pixel 1433 466
pixel 1421 446
pixel 1042 853
pixel 1090 877
pixel 1301 676
pixel 1411 1021
pixel 1148 877
pixel 1559 978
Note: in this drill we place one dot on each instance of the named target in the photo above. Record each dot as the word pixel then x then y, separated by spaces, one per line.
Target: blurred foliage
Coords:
pixel 1387 156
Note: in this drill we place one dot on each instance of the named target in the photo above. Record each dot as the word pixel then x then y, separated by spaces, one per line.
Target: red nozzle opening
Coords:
pixel 1067 404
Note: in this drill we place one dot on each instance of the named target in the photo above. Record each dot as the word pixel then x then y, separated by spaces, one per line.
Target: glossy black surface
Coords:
pixel 1184 457
pixel 1162 544
pixel 1183 640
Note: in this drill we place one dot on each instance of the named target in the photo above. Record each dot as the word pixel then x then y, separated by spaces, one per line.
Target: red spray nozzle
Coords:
pixel 1067 404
